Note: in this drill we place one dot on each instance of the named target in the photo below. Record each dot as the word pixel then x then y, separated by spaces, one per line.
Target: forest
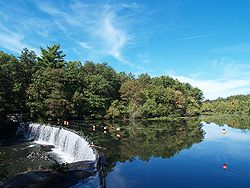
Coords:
pixel 50 88
pixel 238 105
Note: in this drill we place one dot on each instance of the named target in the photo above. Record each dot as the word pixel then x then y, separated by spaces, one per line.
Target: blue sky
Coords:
pixel 205 43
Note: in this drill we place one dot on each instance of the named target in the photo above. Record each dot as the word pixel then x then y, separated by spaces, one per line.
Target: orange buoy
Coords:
pixel 225 166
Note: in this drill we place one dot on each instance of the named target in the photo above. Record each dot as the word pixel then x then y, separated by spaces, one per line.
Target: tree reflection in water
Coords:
pixel 142 139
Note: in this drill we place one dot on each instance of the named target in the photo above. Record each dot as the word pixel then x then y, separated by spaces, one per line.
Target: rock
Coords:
pixel 24 180
pixel 82 165
pixel 47 148
pixel 46 179
pixel 81 174
pixel 31 155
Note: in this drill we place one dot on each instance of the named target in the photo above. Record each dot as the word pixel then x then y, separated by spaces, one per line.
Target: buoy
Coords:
pixel 224 131
pixel 225 166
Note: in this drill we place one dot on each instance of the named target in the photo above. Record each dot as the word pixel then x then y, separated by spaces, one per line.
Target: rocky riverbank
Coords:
pixel 60 176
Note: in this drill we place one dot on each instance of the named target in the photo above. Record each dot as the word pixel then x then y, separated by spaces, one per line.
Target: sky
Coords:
pixel 203 42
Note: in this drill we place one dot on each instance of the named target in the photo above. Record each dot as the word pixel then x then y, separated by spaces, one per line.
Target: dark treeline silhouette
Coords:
pixel 51 88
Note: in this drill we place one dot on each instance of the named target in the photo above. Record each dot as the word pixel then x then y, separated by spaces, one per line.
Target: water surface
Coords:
pixel 174 153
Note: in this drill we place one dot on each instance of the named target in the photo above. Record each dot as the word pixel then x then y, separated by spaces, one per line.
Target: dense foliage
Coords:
pixel 238 104
pixel 49 87
pixel 155 97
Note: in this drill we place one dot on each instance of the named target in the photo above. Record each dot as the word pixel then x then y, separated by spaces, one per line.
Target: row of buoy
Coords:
pixel 224 166
pixel 105 130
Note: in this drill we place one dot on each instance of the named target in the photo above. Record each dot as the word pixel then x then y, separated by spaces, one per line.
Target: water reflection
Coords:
pixel 125 141
pixel 234 121
pixel 175 153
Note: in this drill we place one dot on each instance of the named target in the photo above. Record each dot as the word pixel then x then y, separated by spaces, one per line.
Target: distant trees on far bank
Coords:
pixel 49 87
pixel 238 104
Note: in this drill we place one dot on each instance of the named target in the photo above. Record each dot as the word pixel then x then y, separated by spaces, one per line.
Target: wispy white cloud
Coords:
pixel 87 46
pixel 12 41
pixel 133 5
pixel 13 31
pixel 113 38
pixel 195 37
pixel 230 78
pixel 213 89
pixel 144 57
pixel 100 30
pixel 104 28
pixel 238 48
pixel 231 69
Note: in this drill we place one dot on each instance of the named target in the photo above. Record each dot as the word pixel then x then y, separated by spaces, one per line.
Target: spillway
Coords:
pixel 68 146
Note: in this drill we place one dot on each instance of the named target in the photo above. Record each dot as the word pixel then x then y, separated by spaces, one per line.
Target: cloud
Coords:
pixel 97 30
pixel 225 77
pixel 213 89
pixel 113 38
pixel 12 41
pixel 144 57
pixel 238 48
pixel 133 5
pixel 231 69
pixel 194 37
pixel 101 24
pixel 15 30
pixel 86 46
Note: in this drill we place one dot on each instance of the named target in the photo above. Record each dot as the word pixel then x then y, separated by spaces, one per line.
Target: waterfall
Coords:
pixel 68 146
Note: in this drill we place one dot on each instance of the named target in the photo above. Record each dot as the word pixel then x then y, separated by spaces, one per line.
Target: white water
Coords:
pixel 69 147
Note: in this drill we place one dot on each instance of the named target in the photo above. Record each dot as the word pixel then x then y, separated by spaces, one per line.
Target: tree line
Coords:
pixel 49 87
pixel 238 104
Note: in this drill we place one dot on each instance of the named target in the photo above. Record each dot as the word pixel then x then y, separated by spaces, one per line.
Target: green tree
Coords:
pixel 52 57
pixel 47 98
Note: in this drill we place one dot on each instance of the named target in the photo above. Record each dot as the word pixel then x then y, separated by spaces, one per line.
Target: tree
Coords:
pixel 47 98
pixel 52 57
pixel 49 87
pixel 10 85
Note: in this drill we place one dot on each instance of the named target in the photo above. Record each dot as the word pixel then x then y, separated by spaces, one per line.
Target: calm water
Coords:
pixel 176 153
